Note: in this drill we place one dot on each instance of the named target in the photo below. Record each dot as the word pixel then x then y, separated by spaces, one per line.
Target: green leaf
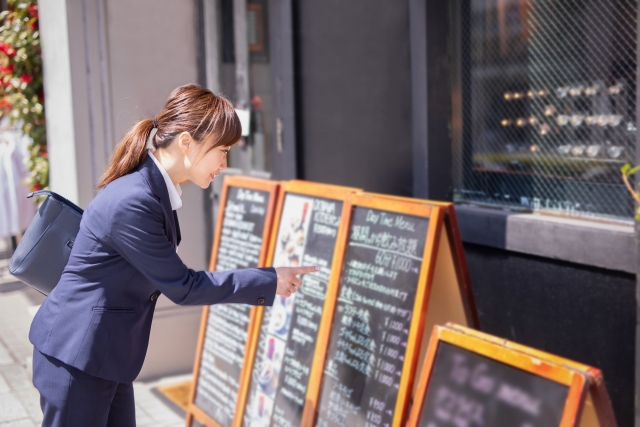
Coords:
pixel 624 169
pixel 633 171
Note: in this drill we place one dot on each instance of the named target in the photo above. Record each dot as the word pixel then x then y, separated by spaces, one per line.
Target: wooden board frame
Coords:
pixel 311 189
pixel 273 188
pixel 435 214
pixel 581 379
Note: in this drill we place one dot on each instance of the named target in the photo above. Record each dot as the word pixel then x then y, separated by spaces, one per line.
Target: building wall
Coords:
pixel 106 65
pixel 583 313
pixel 354 93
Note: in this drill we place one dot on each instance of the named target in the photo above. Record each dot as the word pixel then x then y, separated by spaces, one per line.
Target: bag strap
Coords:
pixel 58 198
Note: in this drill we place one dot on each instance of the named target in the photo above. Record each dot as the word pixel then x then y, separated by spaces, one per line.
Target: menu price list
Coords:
pixel 307 314
pixel 469 390
pixel 373 315
pixel 227 324
pixel 306 236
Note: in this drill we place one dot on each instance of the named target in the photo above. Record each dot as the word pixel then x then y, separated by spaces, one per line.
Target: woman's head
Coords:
pixel 194 123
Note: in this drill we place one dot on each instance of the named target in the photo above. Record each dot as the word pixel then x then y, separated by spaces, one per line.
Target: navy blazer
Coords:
pixel 98 318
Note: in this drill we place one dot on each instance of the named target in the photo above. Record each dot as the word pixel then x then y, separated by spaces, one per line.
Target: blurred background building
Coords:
pixel 522 111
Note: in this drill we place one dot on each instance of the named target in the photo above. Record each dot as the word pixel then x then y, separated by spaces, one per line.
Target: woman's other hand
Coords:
pixel 288 282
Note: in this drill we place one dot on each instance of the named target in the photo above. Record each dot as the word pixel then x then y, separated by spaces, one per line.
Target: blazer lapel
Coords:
pixel 159 188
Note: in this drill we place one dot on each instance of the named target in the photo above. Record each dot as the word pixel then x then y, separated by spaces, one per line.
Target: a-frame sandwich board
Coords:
pixel 241 240
pixel 309 229
pixel 504 383
pixel 330 400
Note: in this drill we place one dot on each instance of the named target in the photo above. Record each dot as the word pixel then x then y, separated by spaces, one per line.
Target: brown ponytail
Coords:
pixel 189 108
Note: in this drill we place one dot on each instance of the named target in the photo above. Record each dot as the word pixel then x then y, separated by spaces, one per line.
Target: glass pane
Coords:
pixel 546 112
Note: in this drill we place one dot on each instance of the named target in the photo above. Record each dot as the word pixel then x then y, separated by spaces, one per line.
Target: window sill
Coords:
pixel 609 246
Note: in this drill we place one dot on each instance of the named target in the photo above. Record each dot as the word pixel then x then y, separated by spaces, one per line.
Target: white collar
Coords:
pixel 174 190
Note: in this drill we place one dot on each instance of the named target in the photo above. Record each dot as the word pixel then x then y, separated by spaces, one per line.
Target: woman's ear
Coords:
pixel 185 143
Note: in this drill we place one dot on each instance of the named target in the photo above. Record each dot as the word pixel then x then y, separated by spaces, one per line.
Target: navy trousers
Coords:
pixel 72 398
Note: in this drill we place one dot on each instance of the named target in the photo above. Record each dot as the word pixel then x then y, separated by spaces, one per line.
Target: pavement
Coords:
pixel 19 400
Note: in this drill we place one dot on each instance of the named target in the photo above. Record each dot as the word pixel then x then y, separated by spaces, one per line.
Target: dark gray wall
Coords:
pixel 582 313
pixel 354 93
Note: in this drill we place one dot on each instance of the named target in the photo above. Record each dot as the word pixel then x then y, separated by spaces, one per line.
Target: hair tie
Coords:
pixel 152 134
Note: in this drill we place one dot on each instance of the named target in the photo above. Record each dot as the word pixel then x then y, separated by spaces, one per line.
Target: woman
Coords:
pixel 91 333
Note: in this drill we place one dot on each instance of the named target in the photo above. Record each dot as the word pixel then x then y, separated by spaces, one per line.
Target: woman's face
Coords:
pixel 205 167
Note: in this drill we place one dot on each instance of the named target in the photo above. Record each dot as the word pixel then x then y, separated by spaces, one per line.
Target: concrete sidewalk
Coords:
pixel 19 400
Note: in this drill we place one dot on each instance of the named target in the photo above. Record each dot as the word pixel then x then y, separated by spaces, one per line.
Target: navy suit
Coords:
pixel 98 318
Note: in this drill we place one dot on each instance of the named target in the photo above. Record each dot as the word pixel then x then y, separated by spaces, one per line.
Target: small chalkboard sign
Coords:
pixel 473 379
pixel 308 228
pixel 241 241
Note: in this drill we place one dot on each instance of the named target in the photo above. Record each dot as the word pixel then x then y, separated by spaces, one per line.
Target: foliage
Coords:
pixel 627 172
pixel 21 91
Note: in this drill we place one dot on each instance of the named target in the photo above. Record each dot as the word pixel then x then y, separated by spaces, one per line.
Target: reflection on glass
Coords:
pixel 564 149
pixel 576 119
pixel 614 151
pixel 615 89
pixel 578 150
pixel 533 121
pixel 542 93
pixel 593 150
pixel 534 148
pixel 631 127
pixel 531 93
pixel 549 110
pixel 561 92
pixel 615 119
pixel 506 122
pixel 602 120
pixel 591 120
pixel 592 90
pixel 508 96
pixel 562 119
pixel 518 95
pixel 521 121
pixel 576 90
pixel 544 129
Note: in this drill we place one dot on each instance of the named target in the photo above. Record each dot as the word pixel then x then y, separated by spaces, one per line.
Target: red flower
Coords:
pixel 36 186
pixel 7 49
pixel 6 69
pixel 33 25
pixel 33 10
pixel 4 104
pixel 26 78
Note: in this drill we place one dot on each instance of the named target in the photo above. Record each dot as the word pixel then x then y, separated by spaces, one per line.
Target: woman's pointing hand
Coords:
pixel 288 282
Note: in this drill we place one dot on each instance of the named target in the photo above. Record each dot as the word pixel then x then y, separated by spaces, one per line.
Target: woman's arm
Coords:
pixel 137 234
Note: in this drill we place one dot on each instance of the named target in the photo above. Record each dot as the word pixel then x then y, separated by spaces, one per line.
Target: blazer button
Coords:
pixel 260 301
pixel 154 297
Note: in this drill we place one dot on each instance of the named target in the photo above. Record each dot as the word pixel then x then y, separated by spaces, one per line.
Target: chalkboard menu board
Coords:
pixel 307 234
pixel 466 388
pixel 240 243
pixel 370 331
pixel 470 378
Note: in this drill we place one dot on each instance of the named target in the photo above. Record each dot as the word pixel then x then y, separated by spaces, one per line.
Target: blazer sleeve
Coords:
pixel 137 234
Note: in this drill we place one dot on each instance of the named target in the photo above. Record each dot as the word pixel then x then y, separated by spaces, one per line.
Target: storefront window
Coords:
pixel 544 104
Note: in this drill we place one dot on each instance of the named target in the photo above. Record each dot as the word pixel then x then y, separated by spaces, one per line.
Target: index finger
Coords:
pixel 304 269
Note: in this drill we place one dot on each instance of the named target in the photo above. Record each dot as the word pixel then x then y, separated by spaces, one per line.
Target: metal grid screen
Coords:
pixel 546 115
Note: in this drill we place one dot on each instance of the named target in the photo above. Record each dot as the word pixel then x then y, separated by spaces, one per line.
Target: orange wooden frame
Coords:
pixel 579 378
pixel 310 189
pixel 395 205
pixel 272 187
